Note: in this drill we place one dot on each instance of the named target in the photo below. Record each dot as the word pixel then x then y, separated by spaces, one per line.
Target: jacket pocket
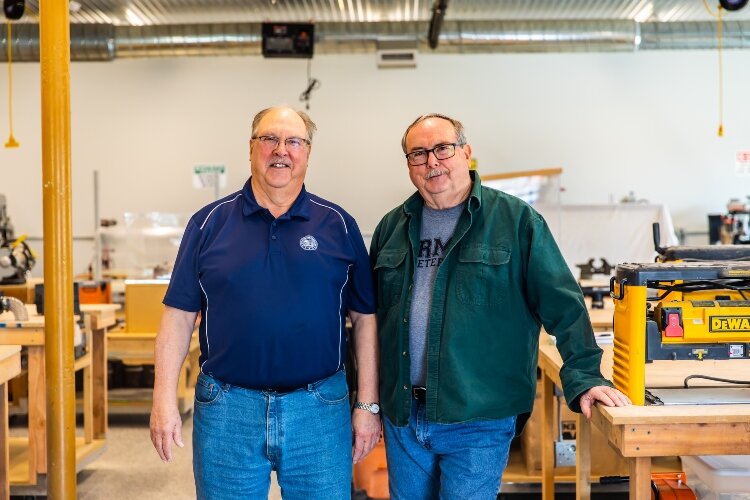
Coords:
pixel 389 271
pixel 482 274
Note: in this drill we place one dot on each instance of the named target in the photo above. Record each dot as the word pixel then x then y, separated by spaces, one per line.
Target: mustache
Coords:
pixel 434 173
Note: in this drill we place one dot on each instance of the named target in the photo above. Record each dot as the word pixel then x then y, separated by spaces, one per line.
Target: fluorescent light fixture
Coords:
pixel 133 18
pixel 645 13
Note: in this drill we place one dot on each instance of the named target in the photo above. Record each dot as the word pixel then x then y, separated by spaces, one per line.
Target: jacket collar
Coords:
pixel 299 209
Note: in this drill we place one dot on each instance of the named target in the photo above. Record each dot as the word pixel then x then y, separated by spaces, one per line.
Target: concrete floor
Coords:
pixel 131 469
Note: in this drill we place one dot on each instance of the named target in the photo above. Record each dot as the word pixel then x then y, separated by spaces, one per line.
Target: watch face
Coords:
pixel 375 408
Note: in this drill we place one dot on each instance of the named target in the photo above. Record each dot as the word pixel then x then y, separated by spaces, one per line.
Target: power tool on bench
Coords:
pixel 15 253
pixel 677 311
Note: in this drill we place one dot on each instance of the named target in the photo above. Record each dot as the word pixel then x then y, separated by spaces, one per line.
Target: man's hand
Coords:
pixel 366 427
pixel 166 427
pixel 607 395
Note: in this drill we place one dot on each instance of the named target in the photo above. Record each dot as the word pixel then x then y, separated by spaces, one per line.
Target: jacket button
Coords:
pixel 404 353
pixel 405 320
pixel 406 387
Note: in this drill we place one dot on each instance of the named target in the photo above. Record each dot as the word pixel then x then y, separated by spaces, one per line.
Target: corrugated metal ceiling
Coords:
pixel 158 12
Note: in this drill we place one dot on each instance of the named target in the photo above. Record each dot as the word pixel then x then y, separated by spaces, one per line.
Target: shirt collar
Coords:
pixel 413 205
pixel 299 209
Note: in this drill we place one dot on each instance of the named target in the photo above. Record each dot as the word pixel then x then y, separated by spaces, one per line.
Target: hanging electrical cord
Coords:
pixel 12 142
pixel 720 47
pixel 312 84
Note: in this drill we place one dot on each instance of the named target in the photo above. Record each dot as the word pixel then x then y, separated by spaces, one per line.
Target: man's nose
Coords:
pixel 432 159
pixel 281 147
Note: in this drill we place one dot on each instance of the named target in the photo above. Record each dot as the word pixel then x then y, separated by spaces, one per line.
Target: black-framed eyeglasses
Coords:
pixel 441 152
pixel 271 142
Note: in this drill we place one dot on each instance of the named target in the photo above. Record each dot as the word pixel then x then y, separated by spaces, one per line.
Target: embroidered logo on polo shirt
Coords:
pixel 308 243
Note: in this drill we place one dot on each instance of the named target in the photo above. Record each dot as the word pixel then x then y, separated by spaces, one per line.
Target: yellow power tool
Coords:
pixel 677 311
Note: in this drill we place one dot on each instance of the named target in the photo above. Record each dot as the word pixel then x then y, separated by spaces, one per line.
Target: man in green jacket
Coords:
pixel 466 277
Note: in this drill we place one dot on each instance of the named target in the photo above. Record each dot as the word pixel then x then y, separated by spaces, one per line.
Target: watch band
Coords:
pixel 373 408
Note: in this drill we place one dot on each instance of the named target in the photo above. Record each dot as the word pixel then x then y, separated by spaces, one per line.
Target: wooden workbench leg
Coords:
pixel 548 438
pixel 88 406
pixel 583 458
pixel 99 382
pixel 37 413
pixel 640 478
pixel 5 451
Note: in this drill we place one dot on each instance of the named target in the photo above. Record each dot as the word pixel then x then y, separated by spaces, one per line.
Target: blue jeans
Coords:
pixel 447 461
pixel 241 435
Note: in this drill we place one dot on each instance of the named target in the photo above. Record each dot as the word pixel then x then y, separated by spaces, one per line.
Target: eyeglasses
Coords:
pixel 441 152
pixel 271 142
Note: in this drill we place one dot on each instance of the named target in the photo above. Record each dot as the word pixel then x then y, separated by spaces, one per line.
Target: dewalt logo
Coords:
pixel 729 323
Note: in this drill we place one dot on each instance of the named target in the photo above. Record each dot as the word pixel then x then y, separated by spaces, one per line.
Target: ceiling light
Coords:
pixel 644 14
pixel 133 18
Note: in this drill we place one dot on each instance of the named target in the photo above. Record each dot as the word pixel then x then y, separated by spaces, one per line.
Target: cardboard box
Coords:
pixel 605 461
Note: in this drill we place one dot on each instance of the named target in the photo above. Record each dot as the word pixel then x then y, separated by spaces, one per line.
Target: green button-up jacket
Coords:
pixel 503 278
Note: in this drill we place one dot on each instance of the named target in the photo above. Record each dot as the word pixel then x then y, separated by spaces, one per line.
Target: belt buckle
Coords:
pixel 419 393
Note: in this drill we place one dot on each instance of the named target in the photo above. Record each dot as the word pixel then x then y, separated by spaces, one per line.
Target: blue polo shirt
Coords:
pixel 273 293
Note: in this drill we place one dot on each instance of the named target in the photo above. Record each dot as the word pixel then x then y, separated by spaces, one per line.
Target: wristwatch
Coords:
pixel 373 408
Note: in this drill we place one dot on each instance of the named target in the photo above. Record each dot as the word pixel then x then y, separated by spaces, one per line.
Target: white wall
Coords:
pixel 644 122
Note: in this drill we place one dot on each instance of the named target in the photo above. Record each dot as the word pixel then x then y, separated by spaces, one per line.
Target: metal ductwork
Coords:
pixel 88 42
pixel 104 42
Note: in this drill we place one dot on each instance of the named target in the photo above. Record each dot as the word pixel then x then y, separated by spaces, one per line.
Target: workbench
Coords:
pixel 28 455
pixel 137 348
pixel 640 433
pixel 10 366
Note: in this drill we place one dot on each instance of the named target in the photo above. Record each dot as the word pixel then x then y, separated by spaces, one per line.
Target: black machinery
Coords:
pixel 15 253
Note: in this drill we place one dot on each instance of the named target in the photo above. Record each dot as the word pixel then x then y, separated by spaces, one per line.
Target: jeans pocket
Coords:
pixel 207 391
pixel 332 390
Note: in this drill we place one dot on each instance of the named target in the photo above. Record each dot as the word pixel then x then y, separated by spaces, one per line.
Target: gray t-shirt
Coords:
pixel 437 230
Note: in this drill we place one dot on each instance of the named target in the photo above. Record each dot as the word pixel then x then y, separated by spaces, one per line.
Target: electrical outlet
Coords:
pixel 565 453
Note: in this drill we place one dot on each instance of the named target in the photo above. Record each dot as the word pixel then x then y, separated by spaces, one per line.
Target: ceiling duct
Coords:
pixel 687 35
pixel 88 42
pixel 103 42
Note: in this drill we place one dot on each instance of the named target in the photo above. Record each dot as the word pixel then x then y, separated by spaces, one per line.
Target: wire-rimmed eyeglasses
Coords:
pixel 441 152
pixel 271 142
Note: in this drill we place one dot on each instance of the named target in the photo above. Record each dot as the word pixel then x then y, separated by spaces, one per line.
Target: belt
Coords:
pixel 283 390
pixel 419 393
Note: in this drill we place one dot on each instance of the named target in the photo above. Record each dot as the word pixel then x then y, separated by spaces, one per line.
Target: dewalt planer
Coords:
pixel 677 311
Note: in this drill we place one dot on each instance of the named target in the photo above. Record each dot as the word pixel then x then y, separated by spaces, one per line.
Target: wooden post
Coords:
pixel 54 34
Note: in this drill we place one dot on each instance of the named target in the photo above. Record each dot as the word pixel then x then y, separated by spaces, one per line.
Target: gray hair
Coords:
pixel 457 126
pixel 310 126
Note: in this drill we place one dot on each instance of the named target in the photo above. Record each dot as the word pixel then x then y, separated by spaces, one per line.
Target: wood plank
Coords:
pixel 88 405
pixel 37 413
pixel 685 439
pixel 640 475
pixel 99 383
pixel 10 366
pixel 4 434
pixel 10 362
pixel 22 336
pixel 583 460
pixel 19 458
pixel 674 414
pixel 544 172
pixel 82 362
pixel 548 432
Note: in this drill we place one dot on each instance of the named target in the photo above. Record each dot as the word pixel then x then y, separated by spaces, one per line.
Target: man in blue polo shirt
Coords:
pixel 274 271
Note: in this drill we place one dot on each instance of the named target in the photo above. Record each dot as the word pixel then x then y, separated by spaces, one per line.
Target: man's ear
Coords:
pixel 467 151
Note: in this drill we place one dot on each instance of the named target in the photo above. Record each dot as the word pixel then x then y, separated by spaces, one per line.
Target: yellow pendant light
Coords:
pixel 12 142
